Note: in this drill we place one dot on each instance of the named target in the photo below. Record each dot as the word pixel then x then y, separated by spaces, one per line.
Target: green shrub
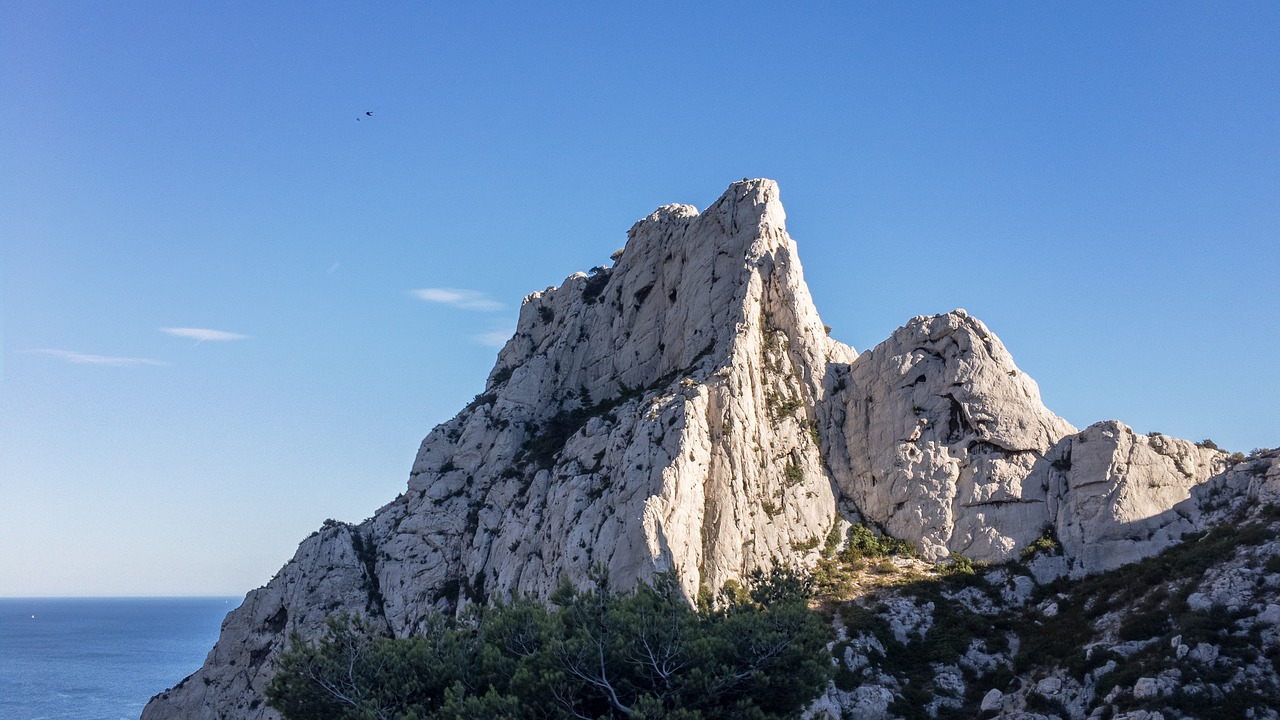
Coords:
pixel 806 545
pixel 863 542
pixel 1273 564
pixel 595 654
pixel 832 544
pixel 1143 625
pixel 793 473
pixel 1047 543
pixel 961 565
pixel 595 285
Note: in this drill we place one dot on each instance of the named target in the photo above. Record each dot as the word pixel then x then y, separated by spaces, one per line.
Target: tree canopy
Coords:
pixel 647 654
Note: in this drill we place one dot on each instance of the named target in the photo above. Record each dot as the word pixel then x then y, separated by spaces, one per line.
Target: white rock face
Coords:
pixel 1112 493
pixel 868 702
pixel 651 415
pixel 685 409
pixel 940 430
pixel 656 414
pixel 1049 686
pixel 327 575
pixel 1146 687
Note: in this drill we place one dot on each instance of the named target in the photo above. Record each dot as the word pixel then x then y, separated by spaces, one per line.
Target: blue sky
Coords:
pixel 1098 182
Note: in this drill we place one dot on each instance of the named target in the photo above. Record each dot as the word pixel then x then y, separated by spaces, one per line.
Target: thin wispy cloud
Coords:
pixel 465 299
pixel 80 358
pixel 202 334
pixel 334 267
pixel 496 338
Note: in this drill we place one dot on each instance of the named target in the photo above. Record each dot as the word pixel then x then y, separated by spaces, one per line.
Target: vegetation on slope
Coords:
pixel 646 654
pixel 938 639
pixel 1153 636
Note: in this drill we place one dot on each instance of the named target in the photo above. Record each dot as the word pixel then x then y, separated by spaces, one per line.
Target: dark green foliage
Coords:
pixel 367 552
pixel 1146 602
pixel 913 701
pixel 1047 543
pixel 1231 705
pixel 1049 706
pixel 806 545
pixel 832 543
pixel 793 473
pixel 1273 564
pixel 1212 625
pixel 780 405
pixel 548 440
pixel 844 678
pixel 954 629
pixel 1152 595
pixel 863 543
pixel 835 571
pixel 544 446
pixel 501 375
pixel 1143 625
pixel 595 284
pixel 479 400
pixel 353 673
pixel 546 314
pixel 1186 561
pixel 598 654
pixel 959 564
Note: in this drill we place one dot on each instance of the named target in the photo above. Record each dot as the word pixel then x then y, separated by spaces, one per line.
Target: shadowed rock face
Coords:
pixel 1116 496
pixel 685 408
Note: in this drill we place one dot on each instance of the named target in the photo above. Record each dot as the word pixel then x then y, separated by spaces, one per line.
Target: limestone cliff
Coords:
pixel 941 431
pixel 685 409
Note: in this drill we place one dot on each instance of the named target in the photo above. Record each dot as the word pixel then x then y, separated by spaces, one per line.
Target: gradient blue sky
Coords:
pixel 1098 182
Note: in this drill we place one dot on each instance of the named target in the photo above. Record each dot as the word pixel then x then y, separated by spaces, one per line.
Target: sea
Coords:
pixel 100 658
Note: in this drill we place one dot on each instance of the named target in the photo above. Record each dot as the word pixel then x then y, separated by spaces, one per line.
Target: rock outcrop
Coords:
pixel 1193 632
pixel 1116 496
pixel 686 409
pixel 941 431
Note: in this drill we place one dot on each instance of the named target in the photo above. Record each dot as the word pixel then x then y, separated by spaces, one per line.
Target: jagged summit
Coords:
pixel 686 409
pixel 677 293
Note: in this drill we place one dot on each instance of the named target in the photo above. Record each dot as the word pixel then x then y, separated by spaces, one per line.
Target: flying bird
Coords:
pixel 368 113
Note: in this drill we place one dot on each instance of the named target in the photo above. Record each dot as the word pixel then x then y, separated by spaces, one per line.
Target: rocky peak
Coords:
pixel 678 293
pixel 685 409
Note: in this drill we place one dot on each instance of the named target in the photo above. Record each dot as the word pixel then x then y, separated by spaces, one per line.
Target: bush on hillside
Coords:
pixel 595 653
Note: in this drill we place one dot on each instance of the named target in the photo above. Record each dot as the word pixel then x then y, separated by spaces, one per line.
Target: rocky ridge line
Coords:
pixel 685 409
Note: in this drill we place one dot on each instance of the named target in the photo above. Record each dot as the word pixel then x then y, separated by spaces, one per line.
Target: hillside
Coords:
pixel 684 409
pixel 1192 632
